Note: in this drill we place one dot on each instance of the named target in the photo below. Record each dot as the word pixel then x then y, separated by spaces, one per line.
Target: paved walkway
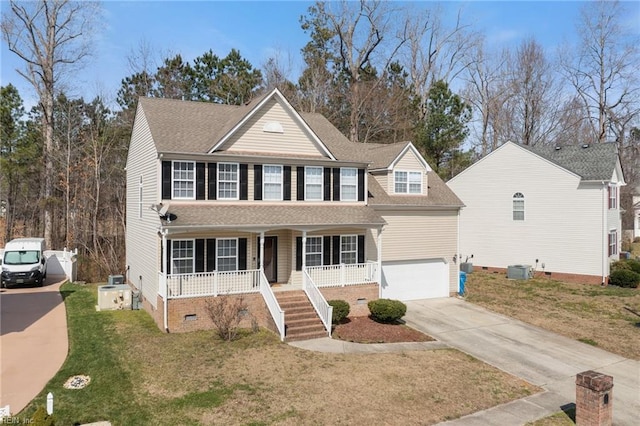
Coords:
pixel 33 341
pixel 542 358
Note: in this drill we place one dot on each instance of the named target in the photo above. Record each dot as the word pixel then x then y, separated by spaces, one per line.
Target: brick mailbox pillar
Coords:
pixel 594 399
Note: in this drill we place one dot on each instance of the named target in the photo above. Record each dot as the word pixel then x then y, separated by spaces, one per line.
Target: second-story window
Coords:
pixel 184 178
pixel 272 182
pixel 518 206
pixel 408 182
pixel 348 184
pixel 313 183
pixel 227 181
pixel 613 197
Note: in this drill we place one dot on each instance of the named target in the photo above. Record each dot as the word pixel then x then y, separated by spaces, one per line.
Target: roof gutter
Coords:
pixel 261 157
pixel 264 227
pixel 415 207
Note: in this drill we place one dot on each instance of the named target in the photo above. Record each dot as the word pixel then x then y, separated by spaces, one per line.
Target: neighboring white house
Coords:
pixel 228 199
pixel 556 208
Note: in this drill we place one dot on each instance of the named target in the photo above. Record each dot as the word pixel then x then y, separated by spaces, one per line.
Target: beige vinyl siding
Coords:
pixel 142 241
pixel 563 216
pixel 408 162
pixel 383 180
pixel 294 140
pixel 413 235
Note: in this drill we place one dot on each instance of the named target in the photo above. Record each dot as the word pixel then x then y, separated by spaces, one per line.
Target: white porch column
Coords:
pixel 262 251
pixel 379 274
pixel 304 250
pixel 165 302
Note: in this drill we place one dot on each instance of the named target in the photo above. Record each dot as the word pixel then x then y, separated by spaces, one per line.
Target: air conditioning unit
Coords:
pixel 518 272
pixel 466 267
pixel 116 279
pixel 113 297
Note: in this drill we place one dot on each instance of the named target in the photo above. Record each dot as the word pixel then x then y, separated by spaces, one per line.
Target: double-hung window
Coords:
pixel 227 181
pixel 184 180
pixel 613 196
pixel 313 183
pixel 518 206
pixel 272 182
pixel 227 254
pixel 613 243
pixel 348 184
pixel 182 257
pixel 407 182
pixel 314 251
pixel 348 249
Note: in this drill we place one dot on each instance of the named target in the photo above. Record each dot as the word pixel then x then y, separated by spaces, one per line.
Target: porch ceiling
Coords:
pixel 268 217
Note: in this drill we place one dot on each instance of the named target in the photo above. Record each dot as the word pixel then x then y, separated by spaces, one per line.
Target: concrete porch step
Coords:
pixel 300 318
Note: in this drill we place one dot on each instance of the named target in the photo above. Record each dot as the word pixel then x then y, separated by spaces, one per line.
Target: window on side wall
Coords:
pixel 314 251
pixel 349 249
pixel 272 182
pixel 313 183
pixel 407 182
pixel 518 206
pixel 613 197
pixel 227 181
pixel 182 257
pixel 613 243
pixel 227 254
pixel 348 184
pixel 183 180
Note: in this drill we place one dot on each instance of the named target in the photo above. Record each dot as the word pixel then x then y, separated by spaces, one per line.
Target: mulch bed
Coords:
pixel 366 330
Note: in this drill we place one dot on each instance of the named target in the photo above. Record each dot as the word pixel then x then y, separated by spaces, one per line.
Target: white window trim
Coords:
pixel 513 207
pixel 342 185
pixel 355 236
pixel 173 180
pixel 409 182
pixel 264 182
pixel 218 257
pixel 306 183
pixel 237 181
pixel 613 233
pixel 613 189
pixel 193 258
pixel 307 252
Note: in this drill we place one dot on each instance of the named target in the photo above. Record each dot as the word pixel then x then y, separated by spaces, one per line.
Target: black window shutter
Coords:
pixel 326 250
pixel 166 180
pixel 169 254
pixel 298 253
pixel 336 184
pixel 211 254
pixel 257 181
pixel 360 184
pixel 200 184
pixel 286 191
pixel 199 255
pixel 300 183
pixel 244 181
pixel 327 183
pixel 336 249
pixel 360 248
pixel 213 178
pixel 242 254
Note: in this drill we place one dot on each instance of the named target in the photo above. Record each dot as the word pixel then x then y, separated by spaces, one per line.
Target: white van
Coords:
pixel 24 262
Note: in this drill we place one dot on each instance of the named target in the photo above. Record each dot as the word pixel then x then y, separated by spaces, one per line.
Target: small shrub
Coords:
pixel 634 265
pixel 226 313
pixel 636 240
pixel 629 265
pixel 41 418
pixel 624 278
pixel 341 310
pixel 626 246
pixel 387 310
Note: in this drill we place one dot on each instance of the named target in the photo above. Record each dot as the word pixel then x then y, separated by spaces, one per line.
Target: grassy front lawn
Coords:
pixel 141 376
pixel 591 314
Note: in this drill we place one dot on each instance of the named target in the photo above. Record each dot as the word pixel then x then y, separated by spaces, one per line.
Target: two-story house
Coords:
pixel 259 199
pixel 555 208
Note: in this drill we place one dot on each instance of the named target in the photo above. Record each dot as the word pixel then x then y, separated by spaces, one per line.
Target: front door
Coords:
pixel 270 258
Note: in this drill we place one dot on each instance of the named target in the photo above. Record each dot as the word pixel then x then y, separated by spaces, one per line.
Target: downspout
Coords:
pixel 165 305
pixel 458 259
pixel 602 245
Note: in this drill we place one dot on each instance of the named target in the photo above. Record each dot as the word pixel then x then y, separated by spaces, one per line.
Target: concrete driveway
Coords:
pixel 540 357
pixel 33 340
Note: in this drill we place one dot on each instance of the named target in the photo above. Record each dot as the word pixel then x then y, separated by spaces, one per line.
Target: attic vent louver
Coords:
pixel 273 127
pixel 585 145
pixel 558 147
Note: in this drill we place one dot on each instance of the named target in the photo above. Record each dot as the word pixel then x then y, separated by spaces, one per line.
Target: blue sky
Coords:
pixel 258 29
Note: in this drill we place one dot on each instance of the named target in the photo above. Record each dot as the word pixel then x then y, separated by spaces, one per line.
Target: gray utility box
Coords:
pixel 116 279
pixel 518 272
pixel 135 299
pixel 466 267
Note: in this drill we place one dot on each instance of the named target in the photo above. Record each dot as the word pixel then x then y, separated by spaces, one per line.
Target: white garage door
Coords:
pixel 415 279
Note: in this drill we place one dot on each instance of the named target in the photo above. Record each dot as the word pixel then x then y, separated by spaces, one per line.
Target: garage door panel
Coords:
pixel 415 279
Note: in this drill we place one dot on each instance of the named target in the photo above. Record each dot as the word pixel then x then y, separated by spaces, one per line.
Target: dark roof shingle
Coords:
pixel 589 161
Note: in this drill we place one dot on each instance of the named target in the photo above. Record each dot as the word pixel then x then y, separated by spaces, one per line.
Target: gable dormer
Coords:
pixel 273 126
pixel 404 172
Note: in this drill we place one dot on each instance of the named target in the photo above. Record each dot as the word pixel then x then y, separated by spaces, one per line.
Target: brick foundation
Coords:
pixel 594 399
pixel 356 295
pixel 560 276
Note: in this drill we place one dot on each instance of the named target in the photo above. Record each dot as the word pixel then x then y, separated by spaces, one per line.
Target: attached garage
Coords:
pixel 415 279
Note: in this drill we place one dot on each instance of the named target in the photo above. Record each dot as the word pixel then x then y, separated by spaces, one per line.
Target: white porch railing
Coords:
pixel 272 304
pixel 343 274
pixel 324 310
pixel 212 283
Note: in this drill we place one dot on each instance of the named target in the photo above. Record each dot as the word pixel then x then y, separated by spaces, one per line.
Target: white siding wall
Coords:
pixel 252 138
pixel 614 219
pixel 563 218
pixel 142 242
pixel 421 235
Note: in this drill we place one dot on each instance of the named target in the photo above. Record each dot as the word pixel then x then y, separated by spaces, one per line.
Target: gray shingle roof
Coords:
pixel 590 161
pixel 438 195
